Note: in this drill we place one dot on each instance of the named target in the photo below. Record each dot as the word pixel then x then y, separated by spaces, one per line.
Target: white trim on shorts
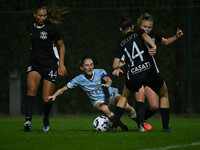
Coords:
pixel 109 101
pixel 102 101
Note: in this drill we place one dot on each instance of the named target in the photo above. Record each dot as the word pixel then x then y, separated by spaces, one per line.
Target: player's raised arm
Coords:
pixel 57 93
pixel 167 41
pixel 148 39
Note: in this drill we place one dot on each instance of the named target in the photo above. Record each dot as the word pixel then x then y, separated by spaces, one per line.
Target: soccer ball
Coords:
pixel 101 123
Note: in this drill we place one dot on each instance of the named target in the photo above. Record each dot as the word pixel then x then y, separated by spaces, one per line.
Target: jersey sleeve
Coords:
pixel 103 73
pixel 56 36
pixel 73 83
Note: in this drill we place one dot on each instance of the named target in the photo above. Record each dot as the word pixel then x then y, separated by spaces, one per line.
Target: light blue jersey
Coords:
pixel 93 87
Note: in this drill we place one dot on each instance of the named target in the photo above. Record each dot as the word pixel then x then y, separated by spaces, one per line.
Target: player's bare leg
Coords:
pixel 33 81
pixel 153 100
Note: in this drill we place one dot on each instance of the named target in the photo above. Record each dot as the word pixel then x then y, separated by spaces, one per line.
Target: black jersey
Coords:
pixel 156 38
pixel 42 40
pixel 137 58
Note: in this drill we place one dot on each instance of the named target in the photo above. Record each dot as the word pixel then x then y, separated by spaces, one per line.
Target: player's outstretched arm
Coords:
pixel 108 82
pixel 57 93
pixel 170 40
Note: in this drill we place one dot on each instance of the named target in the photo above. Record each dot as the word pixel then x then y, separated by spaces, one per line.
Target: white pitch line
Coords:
pixel 173 146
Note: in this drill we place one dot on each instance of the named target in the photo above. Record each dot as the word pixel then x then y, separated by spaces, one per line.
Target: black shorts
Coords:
pixel 48 73
pixel 155 82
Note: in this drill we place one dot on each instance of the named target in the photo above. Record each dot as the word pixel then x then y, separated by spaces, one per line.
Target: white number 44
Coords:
pixel 51 74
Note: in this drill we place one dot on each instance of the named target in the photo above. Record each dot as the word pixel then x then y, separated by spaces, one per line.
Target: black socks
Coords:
pixel 140 113
pixel 118 113
pixel 29 107
pixel 47 109
pixel 30 100
pixel 165 113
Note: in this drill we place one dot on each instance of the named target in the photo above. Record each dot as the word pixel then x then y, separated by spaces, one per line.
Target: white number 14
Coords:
pixel 135 53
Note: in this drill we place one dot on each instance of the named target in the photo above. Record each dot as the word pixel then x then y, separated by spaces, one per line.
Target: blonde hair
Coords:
pixel 144 17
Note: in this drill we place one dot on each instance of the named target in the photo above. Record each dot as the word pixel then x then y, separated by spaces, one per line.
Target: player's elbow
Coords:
pixel 165 43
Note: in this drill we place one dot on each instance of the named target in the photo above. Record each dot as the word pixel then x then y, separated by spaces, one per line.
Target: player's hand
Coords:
pixel 105 85
pixel 152 51
pixel 179 33
pixel 116 72
pixel 62 70
pixel 50 98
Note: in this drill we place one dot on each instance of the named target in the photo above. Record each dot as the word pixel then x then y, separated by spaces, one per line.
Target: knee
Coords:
pixel 140 98
pixel 103 109
pixel 154 107
pixel 32 91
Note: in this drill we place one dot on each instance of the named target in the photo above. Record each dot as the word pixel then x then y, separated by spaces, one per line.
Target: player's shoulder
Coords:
pixel 98 70
pixel 140 31
pixel 76 79
pixel 79 77
pixel 95 70
pixel 128 38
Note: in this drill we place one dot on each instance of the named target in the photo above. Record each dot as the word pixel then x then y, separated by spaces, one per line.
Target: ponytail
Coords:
pixel 55 14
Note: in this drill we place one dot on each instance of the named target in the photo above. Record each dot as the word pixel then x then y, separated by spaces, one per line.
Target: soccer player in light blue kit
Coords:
pixel 97 84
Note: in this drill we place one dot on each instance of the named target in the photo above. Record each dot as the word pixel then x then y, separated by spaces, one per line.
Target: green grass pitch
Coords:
pixel 77 133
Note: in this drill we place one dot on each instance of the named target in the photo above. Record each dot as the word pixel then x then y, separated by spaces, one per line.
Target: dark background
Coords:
pixel 92 29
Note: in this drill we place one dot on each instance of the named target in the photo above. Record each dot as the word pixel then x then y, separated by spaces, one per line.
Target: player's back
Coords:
pixel 136 55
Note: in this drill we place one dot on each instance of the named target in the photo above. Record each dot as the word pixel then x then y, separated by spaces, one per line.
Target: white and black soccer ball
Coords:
pixel 101 123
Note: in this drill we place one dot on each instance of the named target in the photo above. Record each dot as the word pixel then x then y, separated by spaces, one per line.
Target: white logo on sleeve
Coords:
pixel 29 68
pixel 43 35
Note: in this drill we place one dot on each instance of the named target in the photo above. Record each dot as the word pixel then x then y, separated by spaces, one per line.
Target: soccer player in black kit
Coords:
pixel 44 62
pixel 138 63
pixel 145 22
